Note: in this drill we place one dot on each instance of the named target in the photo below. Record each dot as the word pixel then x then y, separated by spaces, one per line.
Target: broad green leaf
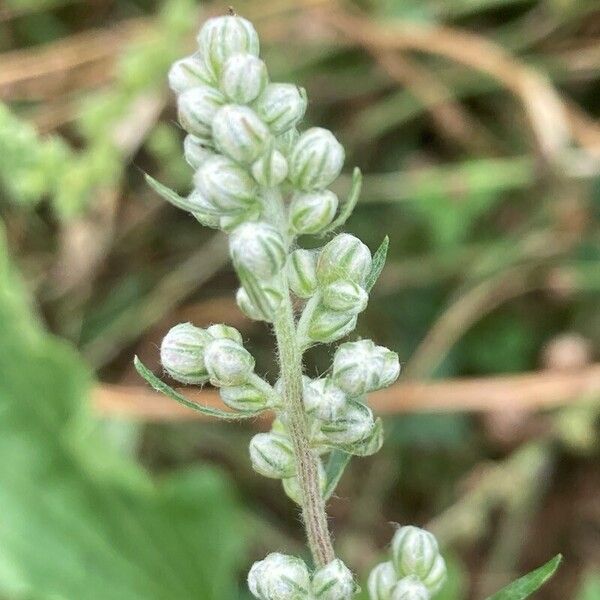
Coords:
pixel 337 463
pixel 378 263
pixel 528 584
pixel 78 521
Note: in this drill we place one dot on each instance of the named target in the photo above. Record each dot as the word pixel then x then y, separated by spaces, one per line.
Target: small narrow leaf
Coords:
pixel 337 463
pixel 169 195
pixel 350 203
pixel 378 263
pixel 163 388
pixel 528 584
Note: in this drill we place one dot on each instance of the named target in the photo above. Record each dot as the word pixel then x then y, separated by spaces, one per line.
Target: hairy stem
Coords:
pixel 313 504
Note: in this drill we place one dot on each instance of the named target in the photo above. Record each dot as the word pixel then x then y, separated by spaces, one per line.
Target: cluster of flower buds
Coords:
pixel 281 577
pixel 417 570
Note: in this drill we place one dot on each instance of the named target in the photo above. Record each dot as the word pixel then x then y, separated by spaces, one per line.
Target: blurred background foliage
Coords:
pixel 476 126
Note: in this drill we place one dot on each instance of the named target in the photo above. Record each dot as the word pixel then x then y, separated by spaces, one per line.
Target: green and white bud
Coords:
pixel 286 141
pixel 292 489
pixel 334 581
pixel 311 212
pixel 327 326
pixel 244 398
pixel 272 455
pixel 324 399
pixel 257 248
pixel 227 362
pixel 221 331
pixel 281 106
pixel 301 270
pixel 222 37
pixel 197 107
pixel 271 169
pixel 354 424
pixel 196 150
pixel 362 367
pixel 316 160
pixel 188 73
pixel 243 78
pixel 344 257
pixel 226 185
pixel 382 580
pixel 410 588
pixel 345 296
pixel 182 353
pixel 239 133
pixel 415 552
pixel 279 577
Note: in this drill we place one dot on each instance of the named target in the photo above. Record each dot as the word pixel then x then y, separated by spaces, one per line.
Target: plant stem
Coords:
pixel 313 504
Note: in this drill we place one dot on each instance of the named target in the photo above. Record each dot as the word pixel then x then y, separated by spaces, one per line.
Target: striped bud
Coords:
pixel 279 577
pixel 354 424
pixel 301 270
pixel 222 37
pixel 410 588
pixel 221 331
pixel 324 399
pixel 226 185
pixel 327 325
pixel 344 257
pixel 415 553
pixel 188 73
pixel 244 77
pixel 334 581
pixel 281 106
pixel 311 212
pixel 316 160
pixel 345 296
pixel 182 353
pixel 196 150
pixel 227 362
pixel 286 141
pixel 257 248
pixel 239 133
pixel 361 367
pixel 272 455
pixel 196 109
pixel 382 580
pixel 244 398
pixel 270 169
pixel 247 306
pixel 292 488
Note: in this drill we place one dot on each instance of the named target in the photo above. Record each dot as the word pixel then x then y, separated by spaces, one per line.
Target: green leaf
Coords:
pixel 378 263
pixel 167 390
pixel 169 195
pixel 528 584
pixel 350 203
pixel 337 463
pixel 80 521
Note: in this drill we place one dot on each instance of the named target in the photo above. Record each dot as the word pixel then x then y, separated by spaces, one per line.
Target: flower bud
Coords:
pixel 272 455
pixel 292 488
pixel 182 353
pixel 327 325
pixel 354 424
pixel 281 106
pixel 382 580
pixel 345 296
pixel 188 73
pixel 244 398
pixel 239 133
pixel 222 37
pixel 361 367
pixel 279 577
pixel 197 108
pixel 227 362
pixel 311 212
pixel 246 305
pixel 228 222
pixel 415 552
pixel 334 581
pixel 243 78
pixel 410 588
pixel 226 185
pixel 324 399
pixel 257 248
pixel 270 169
pixel 196 150
pixel 221 331
pixel 344 257
pixel 301 270
pixel 316 160
pixel 286 141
